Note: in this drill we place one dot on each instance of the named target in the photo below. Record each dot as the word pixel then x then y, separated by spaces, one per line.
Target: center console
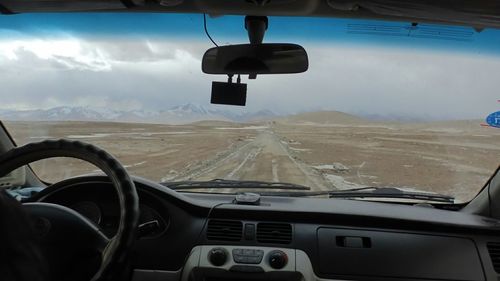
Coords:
pixel 242 263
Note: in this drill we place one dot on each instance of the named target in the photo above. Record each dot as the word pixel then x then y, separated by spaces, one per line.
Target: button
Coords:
pixel 248 252
pixel 238 258
pixel 254 260
pixel 238 252
pixel 242 259
pixel 247 259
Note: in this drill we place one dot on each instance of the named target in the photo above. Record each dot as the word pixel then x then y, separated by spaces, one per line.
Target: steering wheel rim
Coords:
pixel 122 242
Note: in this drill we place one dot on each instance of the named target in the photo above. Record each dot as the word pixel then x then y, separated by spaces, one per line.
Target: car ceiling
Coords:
pixel 478 14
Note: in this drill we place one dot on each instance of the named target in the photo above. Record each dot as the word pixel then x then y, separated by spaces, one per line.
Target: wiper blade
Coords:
pixel 391 192
pixel 371 192
pixel 233 184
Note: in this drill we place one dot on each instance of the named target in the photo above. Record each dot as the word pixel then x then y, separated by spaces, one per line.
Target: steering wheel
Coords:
pixel 68 237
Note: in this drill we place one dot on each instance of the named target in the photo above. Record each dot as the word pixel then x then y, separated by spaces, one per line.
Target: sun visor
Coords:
pixel 477 14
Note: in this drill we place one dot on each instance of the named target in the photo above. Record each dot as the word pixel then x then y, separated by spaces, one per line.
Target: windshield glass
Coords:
pixel 383 104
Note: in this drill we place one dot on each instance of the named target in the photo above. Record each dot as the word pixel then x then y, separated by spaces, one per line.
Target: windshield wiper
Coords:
pixel 233 184
pixel 304 191
pixel 371 192
pixel 390 192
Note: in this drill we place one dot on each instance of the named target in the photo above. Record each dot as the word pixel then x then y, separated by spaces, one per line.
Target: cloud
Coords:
pixel 88 73
pixel 67 54
pixel 388 81
pixel 157 74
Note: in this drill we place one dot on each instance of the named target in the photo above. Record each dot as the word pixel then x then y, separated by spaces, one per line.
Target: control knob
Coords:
pixel 217 256
pixel 277 259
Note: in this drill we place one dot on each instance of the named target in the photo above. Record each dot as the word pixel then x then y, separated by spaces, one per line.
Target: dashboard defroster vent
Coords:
pixel 224 230
pixel 494 251
pixel 276 233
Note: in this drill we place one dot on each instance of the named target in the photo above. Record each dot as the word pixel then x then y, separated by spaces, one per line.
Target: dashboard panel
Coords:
pixel 324 239
pixel 103 210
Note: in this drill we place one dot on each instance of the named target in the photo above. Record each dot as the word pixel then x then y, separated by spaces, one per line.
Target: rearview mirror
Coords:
pixel 255 59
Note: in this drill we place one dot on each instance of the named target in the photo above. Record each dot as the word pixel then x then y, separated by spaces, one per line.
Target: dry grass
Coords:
pixel 453 158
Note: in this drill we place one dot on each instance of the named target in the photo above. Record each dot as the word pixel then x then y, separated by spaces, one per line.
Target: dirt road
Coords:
pixel 265 158
pixel 454 158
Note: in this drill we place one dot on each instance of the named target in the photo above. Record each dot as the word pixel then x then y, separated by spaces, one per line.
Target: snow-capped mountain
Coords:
pixel 59 113
pixel 181 114
pixel 190 108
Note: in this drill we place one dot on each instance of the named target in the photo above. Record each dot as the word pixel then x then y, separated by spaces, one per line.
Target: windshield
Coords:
pixel 383 104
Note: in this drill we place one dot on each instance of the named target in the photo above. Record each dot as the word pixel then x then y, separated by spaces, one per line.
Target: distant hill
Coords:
pixel 203 115
pixel 214 123
pixel 323 118
pixel 182 114
pixel 449 126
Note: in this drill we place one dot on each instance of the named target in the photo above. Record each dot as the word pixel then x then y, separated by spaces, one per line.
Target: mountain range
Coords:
pixel 181 114
pixel 189 113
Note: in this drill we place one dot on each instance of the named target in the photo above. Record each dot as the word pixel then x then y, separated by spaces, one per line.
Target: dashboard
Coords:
pixel 208 237
pixel 99 204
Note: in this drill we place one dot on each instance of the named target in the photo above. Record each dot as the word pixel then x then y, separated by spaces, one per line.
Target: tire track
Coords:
pixel 265 158
pixel 211 164
pixel 250 156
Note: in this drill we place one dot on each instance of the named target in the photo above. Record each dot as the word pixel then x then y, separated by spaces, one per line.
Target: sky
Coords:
pixel 153 62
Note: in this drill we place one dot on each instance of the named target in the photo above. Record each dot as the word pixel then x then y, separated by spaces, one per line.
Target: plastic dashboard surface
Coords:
pixel 397 255
pixel 405 242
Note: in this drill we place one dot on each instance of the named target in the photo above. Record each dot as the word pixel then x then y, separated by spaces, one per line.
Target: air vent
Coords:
pixel 276 233
pixel 224 230
pixel 494 250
